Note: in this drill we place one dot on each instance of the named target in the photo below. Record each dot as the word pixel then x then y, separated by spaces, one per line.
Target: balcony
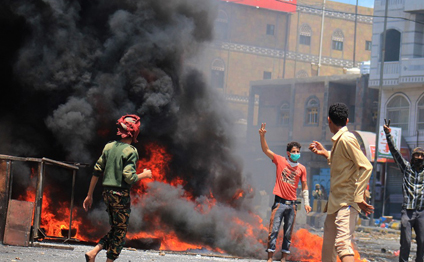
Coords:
pixel 414 6
pixel 390 70
pixel 412 71
pixel 406 73
pixel 393 4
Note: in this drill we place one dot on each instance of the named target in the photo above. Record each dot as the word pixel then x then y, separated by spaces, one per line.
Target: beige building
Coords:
pixel 253 43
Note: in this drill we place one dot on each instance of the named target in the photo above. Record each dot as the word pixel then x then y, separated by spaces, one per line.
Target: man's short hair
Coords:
pixel 292 144
pixel 338 114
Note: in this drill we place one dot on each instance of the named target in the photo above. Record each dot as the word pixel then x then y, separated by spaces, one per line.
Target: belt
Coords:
pixel 284 201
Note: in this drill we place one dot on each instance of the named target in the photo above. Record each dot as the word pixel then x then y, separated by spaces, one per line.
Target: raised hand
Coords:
pixel 317 148
pixel 262 130
pixel 386 126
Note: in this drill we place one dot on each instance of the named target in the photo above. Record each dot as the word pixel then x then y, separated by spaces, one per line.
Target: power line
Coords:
pixel 347 13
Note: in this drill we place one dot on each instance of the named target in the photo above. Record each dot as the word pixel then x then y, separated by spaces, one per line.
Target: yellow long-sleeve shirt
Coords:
pixel 350 172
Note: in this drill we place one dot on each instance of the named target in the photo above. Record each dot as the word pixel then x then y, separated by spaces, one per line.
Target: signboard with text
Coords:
pixel 383 147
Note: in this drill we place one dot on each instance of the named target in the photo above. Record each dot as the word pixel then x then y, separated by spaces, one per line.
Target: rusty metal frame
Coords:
pixel 18 223
pixel 7 193
pixel 36 231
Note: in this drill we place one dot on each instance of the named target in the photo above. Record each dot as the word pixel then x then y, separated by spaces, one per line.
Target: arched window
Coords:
pixel 420 114
pixel 284 114
pixel 398 112
pixel 217 73
pixel 305 34
pixel 312 111
pixel 221 26
pixel 301 74
pixel 337 40
pixel 392 45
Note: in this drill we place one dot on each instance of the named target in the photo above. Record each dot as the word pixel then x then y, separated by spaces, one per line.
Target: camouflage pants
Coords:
pixel 118 205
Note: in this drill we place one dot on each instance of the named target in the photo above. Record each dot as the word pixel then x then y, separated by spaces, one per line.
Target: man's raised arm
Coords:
pixel 264 145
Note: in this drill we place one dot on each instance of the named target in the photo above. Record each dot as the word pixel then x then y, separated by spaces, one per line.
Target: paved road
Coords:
pixel 53 254
pixel 373 244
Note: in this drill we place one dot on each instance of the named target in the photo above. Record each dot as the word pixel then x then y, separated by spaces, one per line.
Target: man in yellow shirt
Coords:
pixel 350 171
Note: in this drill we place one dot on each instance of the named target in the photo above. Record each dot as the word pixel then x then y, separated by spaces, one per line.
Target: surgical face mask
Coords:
pixel 294 157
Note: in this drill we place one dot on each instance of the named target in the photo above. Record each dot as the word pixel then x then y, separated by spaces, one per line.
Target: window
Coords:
pixel 284 115
pixel 398 112
pixel 313 116
pixel 221 26
pixel 420 113
pixel 217 73
pixel 304 40
pixel 337 45
pixel 368 45
pixel 270 29
pixel 267 75
pixel 392 45
pixel 312 111
pixel 337 40
pixel 305 34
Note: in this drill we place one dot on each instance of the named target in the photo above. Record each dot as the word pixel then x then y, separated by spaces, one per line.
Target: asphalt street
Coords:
pixel 59 253
pixel 373 244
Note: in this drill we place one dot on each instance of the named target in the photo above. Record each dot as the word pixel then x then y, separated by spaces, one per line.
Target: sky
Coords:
pixel 366 3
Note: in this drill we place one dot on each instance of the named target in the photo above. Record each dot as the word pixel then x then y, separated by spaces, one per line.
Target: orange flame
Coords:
pixel 169 240
pixel 54 222
pixel 308 247
pixel 157 160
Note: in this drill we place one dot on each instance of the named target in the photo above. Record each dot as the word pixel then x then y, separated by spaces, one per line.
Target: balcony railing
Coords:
pixel 408 71
pixel 390 68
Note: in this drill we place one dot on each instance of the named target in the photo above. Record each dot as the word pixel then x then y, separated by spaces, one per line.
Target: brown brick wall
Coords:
pixel 247 26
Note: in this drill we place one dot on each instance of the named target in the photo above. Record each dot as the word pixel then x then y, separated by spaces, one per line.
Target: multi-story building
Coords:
pixel 271 39
pixel 402 88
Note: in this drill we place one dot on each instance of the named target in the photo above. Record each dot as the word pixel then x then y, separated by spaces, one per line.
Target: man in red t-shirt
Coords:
pixel 289 172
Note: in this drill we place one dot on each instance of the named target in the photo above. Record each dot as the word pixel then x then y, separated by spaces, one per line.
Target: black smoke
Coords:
pixel 70 69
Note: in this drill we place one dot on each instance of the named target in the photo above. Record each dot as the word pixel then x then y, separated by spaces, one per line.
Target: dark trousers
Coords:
pixel 118 205
pixel 411 218
pixel 281 212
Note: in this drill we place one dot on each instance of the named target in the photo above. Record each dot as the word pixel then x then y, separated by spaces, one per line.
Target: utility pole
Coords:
pixel 354 34
pixel 377 129
pixel 320 40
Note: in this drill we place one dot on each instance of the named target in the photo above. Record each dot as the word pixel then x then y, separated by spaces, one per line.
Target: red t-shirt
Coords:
pixel 287 178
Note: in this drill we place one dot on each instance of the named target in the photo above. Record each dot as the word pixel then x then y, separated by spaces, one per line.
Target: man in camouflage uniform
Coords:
pixel 118 165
